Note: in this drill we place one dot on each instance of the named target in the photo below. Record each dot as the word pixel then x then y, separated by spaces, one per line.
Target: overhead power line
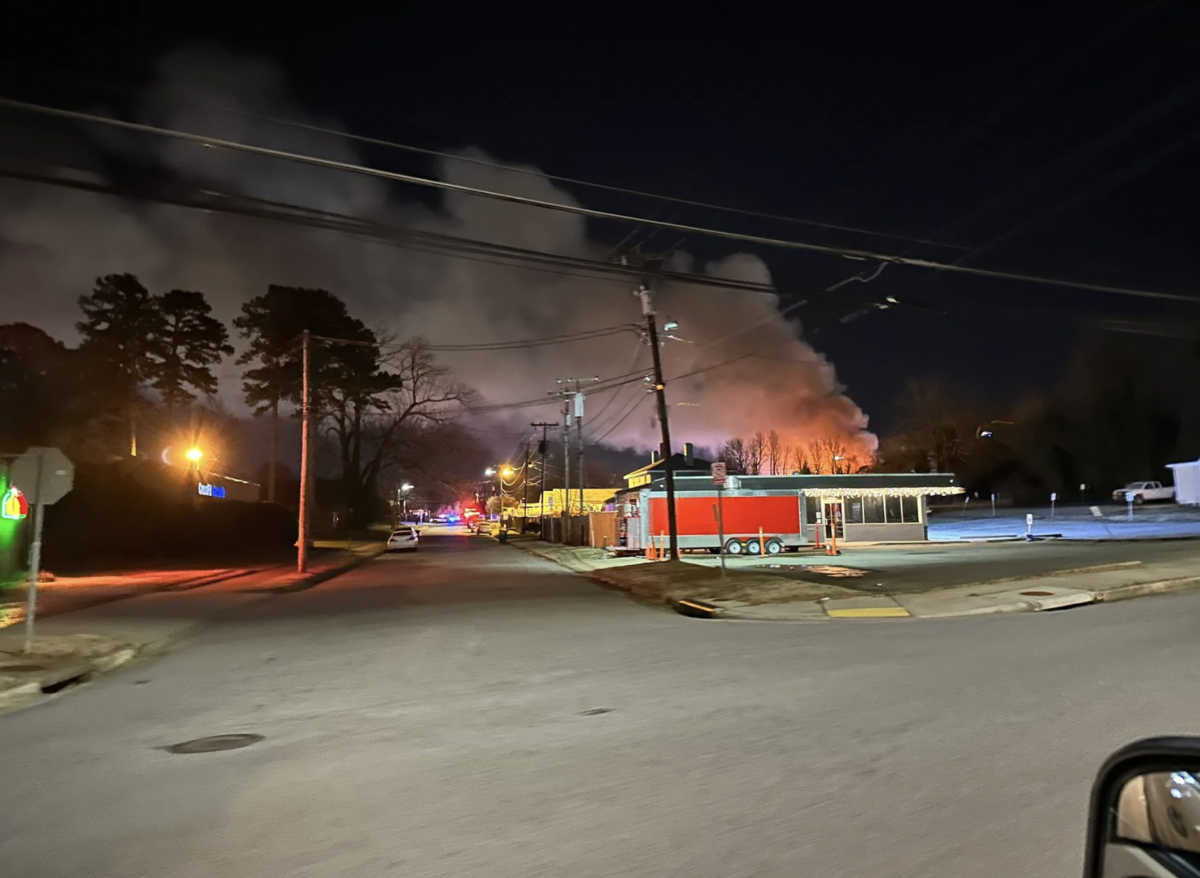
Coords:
pixel 332 164
pixel 411 239
pixel 497 165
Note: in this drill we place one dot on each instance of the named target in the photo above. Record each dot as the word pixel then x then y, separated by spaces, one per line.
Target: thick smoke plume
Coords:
pixel 54 243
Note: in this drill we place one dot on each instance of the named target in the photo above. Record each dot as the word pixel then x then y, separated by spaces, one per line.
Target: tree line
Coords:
pixel 378 402
pixel 1122 410
pixel 769 455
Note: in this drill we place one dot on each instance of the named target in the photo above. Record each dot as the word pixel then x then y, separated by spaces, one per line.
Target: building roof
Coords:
pixel 849 485
pixel 682 464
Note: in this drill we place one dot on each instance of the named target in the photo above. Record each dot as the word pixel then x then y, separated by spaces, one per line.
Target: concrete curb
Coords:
pixel 61 675
pixel 1144 589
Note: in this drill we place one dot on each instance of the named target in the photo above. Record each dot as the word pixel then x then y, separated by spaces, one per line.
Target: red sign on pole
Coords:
pixel 718 474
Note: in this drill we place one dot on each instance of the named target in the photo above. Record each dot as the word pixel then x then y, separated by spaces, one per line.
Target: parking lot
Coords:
pixel 931 565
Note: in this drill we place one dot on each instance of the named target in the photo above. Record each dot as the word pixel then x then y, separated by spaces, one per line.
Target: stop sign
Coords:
pixel 44 475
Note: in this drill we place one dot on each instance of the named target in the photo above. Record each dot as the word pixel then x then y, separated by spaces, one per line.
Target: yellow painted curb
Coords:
pixel 869 613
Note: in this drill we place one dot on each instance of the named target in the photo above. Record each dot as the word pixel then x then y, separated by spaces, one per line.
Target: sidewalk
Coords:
pixel 65 594
pixel 768 597
pixel 73 646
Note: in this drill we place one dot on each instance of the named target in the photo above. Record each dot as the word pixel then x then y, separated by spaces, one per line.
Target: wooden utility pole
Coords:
pixel 542 479
pixel 643 292
pixel 305 409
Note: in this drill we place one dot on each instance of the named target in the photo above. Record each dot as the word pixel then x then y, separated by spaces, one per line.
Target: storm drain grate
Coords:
pixel 214 744
pixel 1038 594
pixel 595 711
pixel 20 669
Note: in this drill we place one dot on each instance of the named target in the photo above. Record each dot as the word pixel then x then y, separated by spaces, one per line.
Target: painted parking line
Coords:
pixel 869 613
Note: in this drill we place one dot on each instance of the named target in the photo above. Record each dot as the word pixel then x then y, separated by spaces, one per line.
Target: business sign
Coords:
pixel 718 473
pixel 206 490
pixel 13 505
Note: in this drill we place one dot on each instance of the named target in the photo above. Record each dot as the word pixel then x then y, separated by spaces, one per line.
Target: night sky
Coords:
pixel 957 124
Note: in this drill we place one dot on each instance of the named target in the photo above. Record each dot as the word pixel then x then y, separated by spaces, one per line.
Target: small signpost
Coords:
pixel 719 473
pixel 1129 497
pixel 1029 526
pixel 1053 500
pixel 44 476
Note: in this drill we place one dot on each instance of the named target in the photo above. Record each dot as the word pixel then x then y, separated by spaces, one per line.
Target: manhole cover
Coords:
pixel 1038 594
pixel 214 743
pixel 20 669
pixel 595 711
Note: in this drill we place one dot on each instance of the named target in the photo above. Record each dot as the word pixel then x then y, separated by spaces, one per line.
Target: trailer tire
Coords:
pixel 774 546
pixel 734 547
pixel 754 546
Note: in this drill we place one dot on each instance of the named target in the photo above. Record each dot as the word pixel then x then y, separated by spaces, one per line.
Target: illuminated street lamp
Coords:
pixel 194 455
pixel 403 491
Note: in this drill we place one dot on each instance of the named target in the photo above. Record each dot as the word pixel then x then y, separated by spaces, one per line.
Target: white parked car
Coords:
pixel 403 539
pixel 1144 492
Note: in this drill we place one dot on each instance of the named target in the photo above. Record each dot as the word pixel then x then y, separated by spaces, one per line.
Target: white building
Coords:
pixel 1187 482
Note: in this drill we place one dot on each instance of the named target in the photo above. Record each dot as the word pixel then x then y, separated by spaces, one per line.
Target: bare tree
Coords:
pixel 933 418
pixel 389 417
pixel 794 460
pixel 755 449
pixel 734 455
pixel 775 453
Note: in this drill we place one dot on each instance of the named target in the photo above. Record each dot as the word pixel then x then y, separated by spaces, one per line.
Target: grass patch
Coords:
pixel 670 580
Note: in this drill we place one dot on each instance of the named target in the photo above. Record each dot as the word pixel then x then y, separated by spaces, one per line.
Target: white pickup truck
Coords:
pixel 1144 492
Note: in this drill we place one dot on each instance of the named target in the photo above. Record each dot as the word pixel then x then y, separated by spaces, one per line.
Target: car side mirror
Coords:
pixel 1144 820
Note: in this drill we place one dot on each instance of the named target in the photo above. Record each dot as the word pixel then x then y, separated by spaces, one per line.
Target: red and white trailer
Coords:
pixel 753 522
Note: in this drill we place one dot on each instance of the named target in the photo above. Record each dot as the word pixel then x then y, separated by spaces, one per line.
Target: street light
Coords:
pixel 837 459
pixel 194 454
pixel 404 489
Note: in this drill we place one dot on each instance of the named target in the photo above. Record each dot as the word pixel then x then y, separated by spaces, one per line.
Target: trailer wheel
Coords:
pixel 754 546
pixel 734 547
pixel 774 546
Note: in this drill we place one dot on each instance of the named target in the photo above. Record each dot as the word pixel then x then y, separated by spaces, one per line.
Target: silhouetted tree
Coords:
pixel 193 342
pixel 123 331
pixel 272 324
pixel 775 453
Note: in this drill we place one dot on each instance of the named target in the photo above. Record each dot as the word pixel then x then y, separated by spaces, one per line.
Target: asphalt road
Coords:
pixel 472 710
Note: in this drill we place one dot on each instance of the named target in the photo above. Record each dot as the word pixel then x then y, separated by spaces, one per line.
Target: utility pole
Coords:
pixel 302 554
pixel 525 492
pixel 643 293
pixel 566 468
pixel 542 478
pixel 578 397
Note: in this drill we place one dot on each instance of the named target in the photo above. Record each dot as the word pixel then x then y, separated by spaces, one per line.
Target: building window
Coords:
pixel 873 510
pixel 854 510
pixel 912 510
pixel 810 509
pixel 892 502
